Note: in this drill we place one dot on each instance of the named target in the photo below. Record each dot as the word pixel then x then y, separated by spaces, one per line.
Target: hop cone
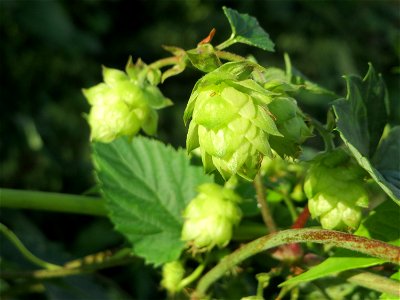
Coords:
pixel 172 274
pixel 210 217
pixel 124 103
pixel 336 192
pixel 230 122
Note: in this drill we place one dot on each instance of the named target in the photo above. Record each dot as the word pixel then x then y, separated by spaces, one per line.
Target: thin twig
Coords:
pixel 265 212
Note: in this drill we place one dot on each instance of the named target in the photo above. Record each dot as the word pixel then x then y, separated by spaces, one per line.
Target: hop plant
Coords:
pixel 210 217
pixel 335 188
pixel 230 121
pixel 124 103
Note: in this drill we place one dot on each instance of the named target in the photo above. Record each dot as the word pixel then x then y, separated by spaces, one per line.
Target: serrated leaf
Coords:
pixel 147 185
pixel 361 119
pixel 247 30
pixel 379 225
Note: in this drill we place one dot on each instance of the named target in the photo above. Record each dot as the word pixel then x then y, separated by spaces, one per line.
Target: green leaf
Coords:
pixel 379 225
pixel 361 119
pixel 147 185
pixel 387 162
pixel 246 30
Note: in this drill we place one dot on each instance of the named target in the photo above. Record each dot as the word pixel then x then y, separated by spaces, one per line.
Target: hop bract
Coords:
pixel 335 188
pixel 210 217
pixel 230 122
pixel 124 103
pixel 290 122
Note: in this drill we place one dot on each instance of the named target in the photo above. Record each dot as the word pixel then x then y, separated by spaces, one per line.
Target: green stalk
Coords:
pixel 326 135
pixel 52 202
pixel 226 43
pixel 24 251
pixel 265 211
pixel 164 62
pixel 373 281
pixel 67 270
pixel 364 245
pixel 229 56
pixel 192 277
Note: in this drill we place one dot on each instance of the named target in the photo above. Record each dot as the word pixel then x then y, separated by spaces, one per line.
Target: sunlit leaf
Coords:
pixel 147 185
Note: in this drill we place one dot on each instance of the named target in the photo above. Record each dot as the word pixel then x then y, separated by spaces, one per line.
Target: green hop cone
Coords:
pixel 210 217
pixel 290 122
pixel 172 275
pixel 230 121
pixel 336 191
pixel 124 103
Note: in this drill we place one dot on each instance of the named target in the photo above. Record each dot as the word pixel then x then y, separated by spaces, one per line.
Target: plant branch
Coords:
pixel 53 202
pixel 265 212
pixel 87 264
pixel 372 281
pixel 364 245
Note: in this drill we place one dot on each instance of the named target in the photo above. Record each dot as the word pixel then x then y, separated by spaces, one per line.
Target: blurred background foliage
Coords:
pixel 51 49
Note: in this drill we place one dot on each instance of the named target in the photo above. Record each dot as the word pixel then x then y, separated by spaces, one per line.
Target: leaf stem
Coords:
pixel 57 202
pixel 364 245
pixel 226 43
pixel 290 206
pixel 326 135
pixel 167 61
pixel 229 56
pixel 24 251
pixel 265 212
pixel 192 277
pixel 372 281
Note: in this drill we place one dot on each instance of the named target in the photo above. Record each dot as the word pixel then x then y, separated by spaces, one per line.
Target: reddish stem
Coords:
pixel 302 218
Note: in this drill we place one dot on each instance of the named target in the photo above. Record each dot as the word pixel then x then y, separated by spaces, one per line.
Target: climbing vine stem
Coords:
pixel 364 245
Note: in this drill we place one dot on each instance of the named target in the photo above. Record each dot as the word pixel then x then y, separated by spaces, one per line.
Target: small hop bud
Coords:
pixel 123 104
pixel 230 122
pixel 335 188
pixel 172 275
pixel 210 217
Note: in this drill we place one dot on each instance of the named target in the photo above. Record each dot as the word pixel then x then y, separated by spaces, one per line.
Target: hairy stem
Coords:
pixel 373 281
pixel 364 245
pixel 53 202
pixel 265 212
pixel 164 62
